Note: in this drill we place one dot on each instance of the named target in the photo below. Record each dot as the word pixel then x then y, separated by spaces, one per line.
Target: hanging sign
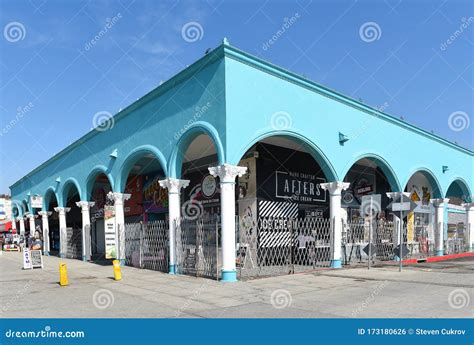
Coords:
pixel 36 201
pixel 26 259
pixel 110 233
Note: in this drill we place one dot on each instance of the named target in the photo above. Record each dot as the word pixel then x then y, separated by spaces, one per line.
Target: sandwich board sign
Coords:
pixel 36 259
pixel 26 259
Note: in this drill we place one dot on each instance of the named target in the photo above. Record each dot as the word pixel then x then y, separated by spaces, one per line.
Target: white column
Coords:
pixel 62 230
pixel 22 225
pixel 335 189
pixel 469 233
pixel 119 199
pixel 439 224
pixel 13 224
pixel 45 224
pixel 174 209
pixel 227 174
pixel 31 218
pixel 86 228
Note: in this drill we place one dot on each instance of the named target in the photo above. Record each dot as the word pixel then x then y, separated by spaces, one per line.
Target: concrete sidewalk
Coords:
pixel 430 290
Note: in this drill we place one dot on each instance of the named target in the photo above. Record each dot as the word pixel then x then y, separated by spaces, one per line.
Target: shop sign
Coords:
pixel 421 198
pixel 299 187
pixel 155 198
pixel 36 259
pixel 110 232
pixel 36 201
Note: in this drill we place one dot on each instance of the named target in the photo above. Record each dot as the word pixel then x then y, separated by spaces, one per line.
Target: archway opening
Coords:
pixel 422 187
pixel 99 189
pixel 367 176
pixel 148 201
pixel 73 221
pixel 455 216
pixel 202 196
pixel 51 202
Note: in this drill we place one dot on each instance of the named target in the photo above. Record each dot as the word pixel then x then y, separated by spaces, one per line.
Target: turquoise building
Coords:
pixel 233 134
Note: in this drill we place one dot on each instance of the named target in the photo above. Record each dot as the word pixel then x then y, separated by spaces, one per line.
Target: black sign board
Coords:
pixel 404 253
pixel 372 249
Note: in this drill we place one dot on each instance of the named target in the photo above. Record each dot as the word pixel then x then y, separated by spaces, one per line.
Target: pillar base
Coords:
pixel 229 276
pixel 46 253
pixel 470 249
pixel 396 258
pixel 84 259
pixel 62 256
pixel 122 262
pixel 336 264
pixel 172 269
pixel 439 253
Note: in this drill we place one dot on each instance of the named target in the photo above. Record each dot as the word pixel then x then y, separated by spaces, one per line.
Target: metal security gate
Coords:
pixel 147 245
pixel 74 243
pixel 278 246
pixel 357 235
pixel 456 241
pixel 198 247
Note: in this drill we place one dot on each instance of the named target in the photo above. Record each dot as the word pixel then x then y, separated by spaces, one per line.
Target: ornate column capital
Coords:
pixel 173 185
pixel 469 206
pixel 118 198
pixel 439 202
pixel 85 205
pixel 44 213
pixel 19 219
pixel 62 210
pixel 30 216
pixel 335 187
pixel 227 173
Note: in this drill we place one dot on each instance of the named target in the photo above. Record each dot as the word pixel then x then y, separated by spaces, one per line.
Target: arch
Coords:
pixel 47 197
pixel 430 176
pixel 131 159
pixel 17 205
pixel 25 206
pixel 197 128
pixel 68 184
pixel 463 186
pixel 382 164
pixel 97 170
pixel 313 149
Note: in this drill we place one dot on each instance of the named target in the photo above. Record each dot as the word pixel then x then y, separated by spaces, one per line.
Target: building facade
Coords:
pixel 234 135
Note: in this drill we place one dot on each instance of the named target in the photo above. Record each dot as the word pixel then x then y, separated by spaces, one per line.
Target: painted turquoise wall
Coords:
pixel 247 99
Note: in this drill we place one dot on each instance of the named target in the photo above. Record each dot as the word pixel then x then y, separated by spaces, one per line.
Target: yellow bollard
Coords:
pixel 117 271
pixel 63 281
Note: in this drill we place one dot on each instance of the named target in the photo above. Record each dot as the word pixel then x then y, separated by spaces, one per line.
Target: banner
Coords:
pixel 110 232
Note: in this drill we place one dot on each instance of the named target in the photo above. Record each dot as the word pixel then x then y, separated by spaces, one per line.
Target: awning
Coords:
pixel 5 226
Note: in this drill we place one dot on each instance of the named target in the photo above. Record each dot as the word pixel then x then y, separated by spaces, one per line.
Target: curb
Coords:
pixel 437 258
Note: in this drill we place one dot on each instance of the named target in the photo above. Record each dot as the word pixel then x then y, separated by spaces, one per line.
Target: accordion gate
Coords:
pixel 278 246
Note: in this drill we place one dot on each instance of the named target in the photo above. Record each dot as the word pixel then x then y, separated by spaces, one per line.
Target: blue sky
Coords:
pixel 418 62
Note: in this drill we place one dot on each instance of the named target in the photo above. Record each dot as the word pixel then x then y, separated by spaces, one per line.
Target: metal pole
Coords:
pixel 370 233
pixel 401 236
